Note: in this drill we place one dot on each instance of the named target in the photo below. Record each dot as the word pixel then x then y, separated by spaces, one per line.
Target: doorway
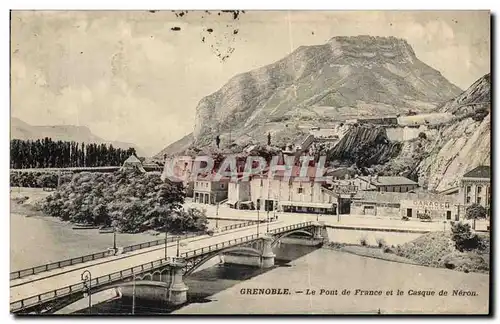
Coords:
pixel 448 214
pixel 409 212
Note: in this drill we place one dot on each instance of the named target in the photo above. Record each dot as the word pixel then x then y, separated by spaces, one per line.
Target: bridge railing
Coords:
pixel 170 239
pixel 237 225
pixel 68 290
pixel 99 255
pixel 119 275
pixel 244 239
pixel 59 264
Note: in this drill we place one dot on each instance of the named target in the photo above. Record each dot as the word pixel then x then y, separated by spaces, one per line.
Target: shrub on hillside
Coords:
pixel 422 135
pixel 380 242
pixel 463 238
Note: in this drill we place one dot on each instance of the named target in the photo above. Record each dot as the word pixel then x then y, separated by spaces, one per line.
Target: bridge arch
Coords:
pixel 198 263
pixel 277 238
pixel 61 304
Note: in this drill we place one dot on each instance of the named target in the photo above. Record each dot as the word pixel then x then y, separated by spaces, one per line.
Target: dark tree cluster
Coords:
pixel 128 200
pixel 46 153
pixel 38 179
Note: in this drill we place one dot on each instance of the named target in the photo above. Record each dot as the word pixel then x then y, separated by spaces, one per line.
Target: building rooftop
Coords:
pixel 396 197
pixel 389 181
pixel 311 172
pixel 482 171
pixel 132 159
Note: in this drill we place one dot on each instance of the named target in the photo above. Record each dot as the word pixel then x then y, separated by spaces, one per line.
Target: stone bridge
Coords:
pixel 53 290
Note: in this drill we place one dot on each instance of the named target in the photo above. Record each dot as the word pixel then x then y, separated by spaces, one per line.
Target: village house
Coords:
pixel 133 163
pixel 238 195
pixel 475 187
pixel 388 184
pixel 293 194
pixel 404 204
pixel 207 190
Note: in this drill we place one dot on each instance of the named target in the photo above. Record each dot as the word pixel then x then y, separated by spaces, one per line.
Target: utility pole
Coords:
pixel 114 238
pixel 133 297
pixel 217 216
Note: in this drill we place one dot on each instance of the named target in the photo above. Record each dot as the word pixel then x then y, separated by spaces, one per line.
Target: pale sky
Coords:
pixel 129 77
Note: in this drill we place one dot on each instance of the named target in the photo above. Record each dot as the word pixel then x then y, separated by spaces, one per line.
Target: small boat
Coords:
pixel 104 230
pixel 83 226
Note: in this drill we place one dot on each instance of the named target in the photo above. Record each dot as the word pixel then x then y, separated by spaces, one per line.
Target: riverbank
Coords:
pixel 431 250
pixel 328 273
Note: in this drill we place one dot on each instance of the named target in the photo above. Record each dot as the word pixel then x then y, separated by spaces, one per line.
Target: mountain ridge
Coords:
pixel 347 77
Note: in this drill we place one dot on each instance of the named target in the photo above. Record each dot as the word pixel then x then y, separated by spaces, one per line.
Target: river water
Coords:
pixel 218 290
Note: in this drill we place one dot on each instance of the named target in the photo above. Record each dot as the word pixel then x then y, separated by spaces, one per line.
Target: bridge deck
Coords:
pixel 48 281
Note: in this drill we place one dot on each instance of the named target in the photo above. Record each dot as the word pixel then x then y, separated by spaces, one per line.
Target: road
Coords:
pixel 375 222
pixel 59 278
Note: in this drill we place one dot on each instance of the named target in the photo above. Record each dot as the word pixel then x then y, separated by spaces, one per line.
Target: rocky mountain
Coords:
pixel 24 131
pixel 462 144
pixel 365 146
pixel 345 78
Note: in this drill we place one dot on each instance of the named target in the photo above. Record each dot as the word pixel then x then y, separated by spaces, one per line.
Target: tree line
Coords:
pixel 46 153
pixel 128 200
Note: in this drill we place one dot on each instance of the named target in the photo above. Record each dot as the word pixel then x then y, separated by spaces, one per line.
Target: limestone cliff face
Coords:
pixel 464 143
pixel 347 76
pixel 365 146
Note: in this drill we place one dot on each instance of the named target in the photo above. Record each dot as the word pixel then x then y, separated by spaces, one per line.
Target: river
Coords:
pixel 217 290
pixel 38 240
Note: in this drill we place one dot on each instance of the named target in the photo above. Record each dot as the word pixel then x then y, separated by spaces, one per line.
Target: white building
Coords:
pixel 293 194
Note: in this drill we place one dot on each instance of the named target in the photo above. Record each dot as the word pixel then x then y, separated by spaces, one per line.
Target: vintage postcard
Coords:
pixel 169 162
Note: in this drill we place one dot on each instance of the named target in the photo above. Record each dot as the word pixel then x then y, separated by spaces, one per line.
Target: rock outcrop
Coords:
pixel 464 143
pixel 365 146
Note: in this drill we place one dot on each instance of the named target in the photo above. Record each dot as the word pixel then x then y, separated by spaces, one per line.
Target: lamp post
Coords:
pixel 166 235
pixel 178 244
pixel 86 277
pixel 217 216
pixel 133 298
pixel 267 222
pixel 258 218
pixel 114 239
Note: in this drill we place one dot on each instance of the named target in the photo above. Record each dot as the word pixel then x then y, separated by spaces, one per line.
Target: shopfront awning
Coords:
pixel 305 204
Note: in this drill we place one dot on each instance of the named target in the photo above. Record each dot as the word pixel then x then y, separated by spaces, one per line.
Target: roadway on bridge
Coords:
pixel 60 278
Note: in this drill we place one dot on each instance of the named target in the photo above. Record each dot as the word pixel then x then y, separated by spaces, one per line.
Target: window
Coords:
pixel 300 190
pixel 261 182
pixel 468 199
pixel 479 188
pixel 222 186
pixel 468 189
pixel 478 200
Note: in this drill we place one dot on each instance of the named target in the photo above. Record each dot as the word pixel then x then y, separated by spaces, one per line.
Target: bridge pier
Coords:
pixel 267 258
pixel 178 289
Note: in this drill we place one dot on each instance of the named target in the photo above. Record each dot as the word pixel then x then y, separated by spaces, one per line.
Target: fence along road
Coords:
pixel 109 253
pixel 50 283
